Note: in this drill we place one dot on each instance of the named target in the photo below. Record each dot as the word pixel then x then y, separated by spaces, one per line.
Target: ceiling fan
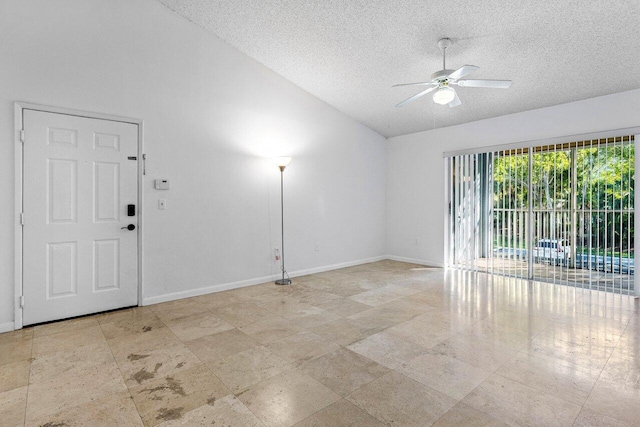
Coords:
pixel 442 80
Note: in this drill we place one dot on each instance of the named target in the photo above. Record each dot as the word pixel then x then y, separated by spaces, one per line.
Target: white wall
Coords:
pixel 415 166
pixel 211 116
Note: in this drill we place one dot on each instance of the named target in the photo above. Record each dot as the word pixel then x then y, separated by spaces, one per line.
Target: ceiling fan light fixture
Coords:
pixel 444 95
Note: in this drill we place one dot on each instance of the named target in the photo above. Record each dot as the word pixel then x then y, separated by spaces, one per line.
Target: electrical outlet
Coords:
pixel 276 254
pixel 162 204
pixel 317 247
pixel 417 242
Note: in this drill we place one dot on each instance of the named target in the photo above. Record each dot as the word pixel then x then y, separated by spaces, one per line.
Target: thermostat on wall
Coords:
pixel 161 184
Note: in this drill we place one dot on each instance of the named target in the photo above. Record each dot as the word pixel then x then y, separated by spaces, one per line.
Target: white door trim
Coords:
pixel 19 107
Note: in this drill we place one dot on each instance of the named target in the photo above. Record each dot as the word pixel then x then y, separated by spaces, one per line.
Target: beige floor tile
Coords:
pixel 527 322
pixel 615 399
pixel 142 342
pixel 260 294
pixel 227 411
pixel 474 351
pixel 378 319
pixel 382 295
pixel 311 317
pixel 552 376
pixel 343 332
pixel 354 287
pixel 400 401
pixel 271 329
pixel 14 375
pixel 287 398
pixel 242 314
pixel 197 325
pixel 241 370
pixel 447 319
pixel 445 374
pixel 73 388
pixel 545 344
pixel 74 361
pixel 518 404
pixel 142 367
pixel 627 348
pixel 407 304
pixel 302 347
pixel 62 341
pixel 131 314
pixel 589 356
pixel 344 306
pixel 464 415
pixel 123 326
pixel 12 406
pixel 315 297
pixel 286 306
pixel 64 326
pixel 16 336
pixel 176 309
pixel 170 397
pixel 624 366
pixel 340 414
pixel 436 300
pixel 498 334
pixel 218 346
pixel 313 283
pixel 588 418
pixel 343 371
pixel 112 410
pixel 596 333
pixel 421 332
pixel 387 349
pixel 219 299
pixel 19 350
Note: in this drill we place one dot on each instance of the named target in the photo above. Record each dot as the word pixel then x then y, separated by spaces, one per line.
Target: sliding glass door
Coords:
pixel 560 213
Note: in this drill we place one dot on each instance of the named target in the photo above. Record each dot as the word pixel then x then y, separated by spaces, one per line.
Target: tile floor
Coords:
pixel 385 343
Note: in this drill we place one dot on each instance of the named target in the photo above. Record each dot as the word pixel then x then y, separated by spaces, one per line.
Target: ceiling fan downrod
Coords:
pixel 443 44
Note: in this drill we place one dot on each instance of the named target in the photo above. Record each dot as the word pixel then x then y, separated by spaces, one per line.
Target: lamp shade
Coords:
pixel 444 95
pixel 282 162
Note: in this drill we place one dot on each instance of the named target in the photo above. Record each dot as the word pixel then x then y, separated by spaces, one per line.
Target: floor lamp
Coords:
pixel 282 163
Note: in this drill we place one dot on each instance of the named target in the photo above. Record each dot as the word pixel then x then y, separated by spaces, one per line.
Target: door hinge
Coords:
pixel 21 218
pixel 144 164
pixel 21 301
pixel 22 135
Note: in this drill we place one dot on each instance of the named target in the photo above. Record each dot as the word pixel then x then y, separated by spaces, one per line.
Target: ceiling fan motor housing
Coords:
pixel 441 75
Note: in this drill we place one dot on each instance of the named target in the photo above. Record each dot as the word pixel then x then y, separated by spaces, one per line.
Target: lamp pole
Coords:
pixel 281 165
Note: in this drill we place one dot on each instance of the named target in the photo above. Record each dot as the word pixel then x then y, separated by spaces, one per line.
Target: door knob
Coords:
pixel 129 227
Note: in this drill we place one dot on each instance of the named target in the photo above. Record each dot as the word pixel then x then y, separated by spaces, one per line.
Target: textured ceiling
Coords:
pixel 349 53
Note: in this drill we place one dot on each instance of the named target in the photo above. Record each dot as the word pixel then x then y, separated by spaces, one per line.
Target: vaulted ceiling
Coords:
pixel 350 52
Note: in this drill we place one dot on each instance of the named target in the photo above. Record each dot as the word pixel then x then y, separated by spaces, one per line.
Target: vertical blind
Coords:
pixel 562 213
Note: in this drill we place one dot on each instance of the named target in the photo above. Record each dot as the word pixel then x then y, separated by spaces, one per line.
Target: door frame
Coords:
pixel 19 108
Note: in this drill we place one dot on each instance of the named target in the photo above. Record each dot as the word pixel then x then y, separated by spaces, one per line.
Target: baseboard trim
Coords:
pixel 206 290
pixel 7 327
pixel 250 282
pixel 416 261
pixel 336 266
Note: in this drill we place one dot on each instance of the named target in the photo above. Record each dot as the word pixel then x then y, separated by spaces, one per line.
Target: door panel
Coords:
pixel 78 181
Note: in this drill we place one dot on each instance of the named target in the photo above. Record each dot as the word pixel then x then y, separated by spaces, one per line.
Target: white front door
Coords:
pixel 78 182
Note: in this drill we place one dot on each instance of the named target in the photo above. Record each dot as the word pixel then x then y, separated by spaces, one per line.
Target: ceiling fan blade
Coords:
pixel 463 71
pixel 413 84
pixel 497 84
pixel 416 96
pixel 455 101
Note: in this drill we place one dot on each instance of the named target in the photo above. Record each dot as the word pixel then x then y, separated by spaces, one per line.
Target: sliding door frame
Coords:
pixel 449 204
